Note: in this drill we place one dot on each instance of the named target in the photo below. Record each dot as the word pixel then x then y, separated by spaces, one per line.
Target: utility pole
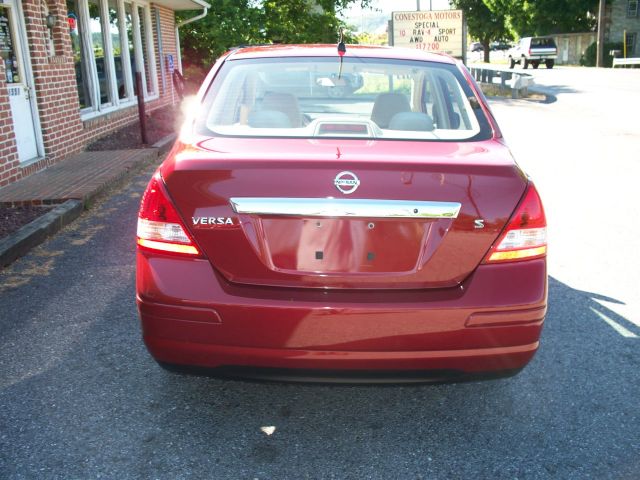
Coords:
pixel 600 44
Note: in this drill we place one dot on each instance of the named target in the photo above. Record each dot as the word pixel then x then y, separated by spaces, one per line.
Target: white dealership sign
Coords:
pixel 432 31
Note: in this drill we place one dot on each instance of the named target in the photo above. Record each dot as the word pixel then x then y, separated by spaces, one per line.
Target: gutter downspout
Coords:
pixel 205 8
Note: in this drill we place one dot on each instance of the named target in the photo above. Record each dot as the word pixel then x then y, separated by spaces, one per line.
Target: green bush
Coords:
pixel 589 57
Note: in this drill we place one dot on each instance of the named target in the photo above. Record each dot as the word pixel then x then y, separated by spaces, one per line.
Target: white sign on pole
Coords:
pixel 432 31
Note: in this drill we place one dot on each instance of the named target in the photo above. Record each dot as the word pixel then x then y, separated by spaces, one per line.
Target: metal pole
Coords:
pixel 600 44
pixel 141 112
pixel 418 5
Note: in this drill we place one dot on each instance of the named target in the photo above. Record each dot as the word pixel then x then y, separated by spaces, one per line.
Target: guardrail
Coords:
pixel 515 82
pixel 625 62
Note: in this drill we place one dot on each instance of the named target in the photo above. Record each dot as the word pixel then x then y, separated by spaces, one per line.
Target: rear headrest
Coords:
pixel 268 119
pixel 387 105
pixel 285 103
pixel 415 121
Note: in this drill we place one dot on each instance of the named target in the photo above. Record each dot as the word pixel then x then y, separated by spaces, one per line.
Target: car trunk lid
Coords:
pixel 344 213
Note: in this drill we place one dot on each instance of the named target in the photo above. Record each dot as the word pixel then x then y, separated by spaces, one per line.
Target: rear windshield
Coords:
pixel 362 98
pixel 543 42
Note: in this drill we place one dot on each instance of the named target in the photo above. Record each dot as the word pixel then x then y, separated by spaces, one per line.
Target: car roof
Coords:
pixel 331 50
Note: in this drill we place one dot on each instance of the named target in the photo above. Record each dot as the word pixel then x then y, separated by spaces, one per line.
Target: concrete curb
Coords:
pixel 33 234
pixel 164 144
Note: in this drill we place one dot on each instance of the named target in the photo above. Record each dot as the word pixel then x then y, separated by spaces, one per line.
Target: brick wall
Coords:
pixel 167 28
pixel 63 130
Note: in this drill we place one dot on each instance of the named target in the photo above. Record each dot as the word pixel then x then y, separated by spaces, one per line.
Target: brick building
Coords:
pixel 67 73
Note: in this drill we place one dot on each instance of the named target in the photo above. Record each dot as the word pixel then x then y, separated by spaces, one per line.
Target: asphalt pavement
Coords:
pixel 81 398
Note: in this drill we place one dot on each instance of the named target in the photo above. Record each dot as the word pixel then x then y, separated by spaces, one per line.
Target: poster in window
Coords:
pixel 6 49
pixel 6 45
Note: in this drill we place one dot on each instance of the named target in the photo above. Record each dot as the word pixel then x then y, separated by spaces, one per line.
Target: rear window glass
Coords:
pixel 543 42
pixel 364 98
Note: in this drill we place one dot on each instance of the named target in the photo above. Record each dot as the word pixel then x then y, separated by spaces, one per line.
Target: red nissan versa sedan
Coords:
pixel 341 218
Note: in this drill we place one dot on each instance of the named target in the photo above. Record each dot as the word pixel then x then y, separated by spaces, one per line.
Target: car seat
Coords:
pixel 386 106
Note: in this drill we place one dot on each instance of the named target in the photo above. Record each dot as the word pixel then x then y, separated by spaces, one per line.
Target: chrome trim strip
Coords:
pixel 339 207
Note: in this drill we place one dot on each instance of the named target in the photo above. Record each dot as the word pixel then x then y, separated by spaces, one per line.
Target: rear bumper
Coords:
pixel 542 56
pixel 490 324
pixel 339 376
pixel 340 366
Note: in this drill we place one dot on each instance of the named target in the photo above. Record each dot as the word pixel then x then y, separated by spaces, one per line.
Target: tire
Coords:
pixel 550 64
pixel 535 64
pixel 512 62
pixel 525 64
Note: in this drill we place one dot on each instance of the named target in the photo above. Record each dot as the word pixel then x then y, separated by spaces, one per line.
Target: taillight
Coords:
pixel 160 228
pixel 525 236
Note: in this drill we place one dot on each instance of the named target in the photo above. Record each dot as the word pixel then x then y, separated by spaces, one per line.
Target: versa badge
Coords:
pixel 212 220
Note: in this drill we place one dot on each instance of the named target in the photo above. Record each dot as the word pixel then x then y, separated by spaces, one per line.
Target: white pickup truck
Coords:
pixel 534 51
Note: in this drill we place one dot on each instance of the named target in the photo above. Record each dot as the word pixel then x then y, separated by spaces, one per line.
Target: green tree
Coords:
pixel 547 17
pixel 300 21
pixel 249 22
pixel 227 24
pixel 497 19
pixel 486 20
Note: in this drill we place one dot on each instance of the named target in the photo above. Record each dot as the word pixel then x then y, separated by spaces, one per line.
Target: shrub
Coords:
pixel 589 57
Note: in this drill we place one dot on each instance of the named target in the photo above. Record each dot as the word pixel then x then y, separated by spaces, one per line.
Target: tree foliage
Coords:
pixel 248 22
pixel 547 17
pixel 490 20
pixel 227 23
pixel 486 21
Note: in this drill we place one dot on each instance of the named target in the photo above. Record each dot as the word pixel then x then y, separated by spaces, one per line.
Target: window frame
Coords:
pixel 632 12
pixel 96 108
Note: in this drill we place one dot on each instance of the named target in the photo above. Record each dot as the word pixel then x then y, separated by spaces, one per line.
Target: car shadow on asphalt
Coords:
pixel 574 399
pixel 105 406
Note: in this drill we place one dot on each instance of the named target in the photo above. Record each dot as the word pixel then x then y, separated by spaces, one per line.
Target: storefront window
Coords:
pixel 78 60
pixel 7 51
pixel 104 81
pixel 145 46
pixel 114 31
pixel 128 15
pixel 97 44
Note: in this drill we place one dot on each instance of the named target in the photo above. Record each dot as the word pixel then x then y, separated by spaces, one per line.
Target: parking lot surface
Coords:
pixel 81 398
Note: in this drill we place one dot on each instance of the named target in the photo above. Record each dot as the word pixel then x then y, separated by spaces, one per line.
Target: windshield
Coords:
pixel 362 98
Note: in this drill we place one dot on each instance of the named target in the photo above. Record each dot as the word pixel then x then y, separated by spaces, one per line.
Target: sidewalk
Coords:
pixel 71 185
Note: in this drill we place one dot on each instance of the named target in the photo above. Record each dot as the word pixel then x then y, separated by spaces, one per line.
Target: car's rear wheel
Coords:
pixel 512 62
pixel 535 65
pixel 550 63
pixel 525 63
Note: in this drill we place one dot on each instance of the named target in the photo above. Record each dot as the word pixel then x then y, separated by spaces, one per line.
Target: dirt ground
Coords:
pixel 12 218
pixel 160 123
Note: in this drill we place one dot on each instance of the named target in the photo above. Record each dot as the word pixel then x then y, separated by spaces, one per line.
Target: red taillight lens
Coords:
pixel 160 227
pixel 525 236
